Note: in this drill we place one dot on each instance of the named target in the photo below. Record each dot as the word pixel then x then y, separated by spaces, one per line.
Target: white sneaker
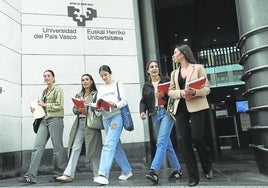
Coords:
pixel 101 180
pixel 65 179
pixel 125 176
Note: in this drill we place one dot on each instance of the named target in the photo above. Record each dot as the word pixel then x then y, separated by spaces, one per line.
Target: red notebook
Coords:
pixel 104 104
pixel 100 103
pixel 78 103
pixel 163 87
pixel 161 102
pixel 196 84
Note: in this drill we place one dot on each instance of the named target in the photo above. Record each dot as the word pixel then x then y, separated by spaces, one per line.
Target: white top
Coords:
pixel 155 89
pixel 109 93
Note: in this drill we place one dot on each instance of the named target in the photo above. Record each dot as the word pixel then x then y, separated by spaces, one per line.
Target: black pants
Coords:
pixel 191 128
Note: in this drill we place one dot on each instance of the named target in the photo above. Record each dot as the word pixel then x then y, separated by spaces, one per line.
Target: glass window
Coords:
pixel 222 77
pixel 237 75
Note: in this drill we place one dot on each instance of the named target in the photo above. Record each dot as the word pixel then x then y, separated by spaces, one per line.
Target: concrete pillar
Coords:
pixel 148 30
pixel 150 52
pixel 253 29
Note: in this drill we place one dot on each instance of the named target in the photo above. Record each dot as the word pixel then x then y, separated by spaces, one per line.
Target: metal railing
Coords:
pixel 219 56
pixel 212 57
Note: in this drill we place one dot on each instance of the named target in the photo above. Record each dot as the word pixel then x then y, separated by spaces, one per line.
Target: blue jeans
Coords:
pixel 112 148
pixel 163 125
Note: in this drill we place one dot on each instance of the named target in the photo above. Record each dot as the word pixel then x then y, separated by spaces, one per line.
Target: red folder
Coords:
pixel 161 102
pixel 104 104
pixel 163 87
pixel 78 103
pixel 196 84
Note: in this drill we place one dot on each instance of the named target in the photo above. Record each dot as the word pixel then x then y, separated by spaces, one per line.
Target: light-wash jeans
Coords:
pixel 163 125
pixel 49 128
pixel 76 150
pixel 112 148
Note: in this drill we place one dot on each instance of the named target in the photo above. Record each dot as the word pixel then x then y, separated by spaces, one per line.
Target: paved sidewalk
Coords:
pixel 233 170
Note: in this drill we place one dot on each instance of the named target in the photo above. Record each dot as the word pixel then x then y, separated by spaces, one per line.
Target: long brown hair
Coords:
pixel 92 86
pixel 187 52
pixel 147 67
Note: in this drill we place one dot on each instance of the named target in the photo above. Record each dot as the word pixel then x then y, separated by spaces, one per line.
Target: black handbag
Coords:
pixel 36 124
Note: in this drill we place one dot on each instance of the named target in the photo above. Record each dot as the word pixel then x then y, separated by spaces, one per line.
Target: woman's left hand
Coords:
pixel 143 115
pixel 112 104
pixel 41 103
pixel 188 94
pixel 100 109
pixel 82 110
pixel 159 94
pixel 32 109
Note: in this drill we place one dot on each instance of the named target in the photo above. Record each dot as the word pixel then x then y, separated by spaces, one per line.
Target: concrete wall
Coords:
pixel 10 76
pixel 39 35
pixel 10 85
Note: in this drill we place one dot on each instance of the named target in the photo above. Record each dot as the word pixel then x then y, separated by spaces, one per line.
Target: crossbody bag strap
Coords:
pixel 92 95
pixel 118 91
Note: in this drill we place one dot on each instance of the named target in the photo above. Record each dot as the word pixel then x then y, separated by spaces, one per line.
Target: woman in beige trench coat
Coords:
pixel 80 132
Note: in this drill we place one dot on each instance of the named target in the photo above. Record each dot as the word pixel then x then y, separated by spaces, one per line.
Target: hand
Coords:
pixel 85 101
pixel 112 104
pixel 82 110
pixel 41 103
pixel 32 109
pixel 159 94
pixel 100 109
pixel 192 90
pixel 143 115
pixel 187 94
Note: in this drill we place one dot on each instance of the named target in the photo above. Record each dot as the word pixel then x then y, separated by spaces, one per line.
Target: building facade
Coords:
pixel 75 37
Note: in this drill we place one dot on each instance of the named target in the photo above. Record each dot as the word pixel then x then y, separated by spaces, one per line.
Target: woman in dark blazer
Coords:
pixel 189 111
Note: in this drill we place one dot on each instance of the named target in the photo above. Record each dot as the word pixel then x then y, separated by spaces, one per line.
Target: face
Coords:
pixel 105 76
pixel 86 82
pixel 49 79
pixel 153 69
pixel 177 56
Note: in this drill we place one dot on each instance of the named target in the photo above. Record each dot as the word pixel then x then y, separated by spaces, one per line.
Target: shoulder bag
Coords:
pixel 36 124
pixel 170 108
pixel 37 121
pixel 94 121
pixel 126 115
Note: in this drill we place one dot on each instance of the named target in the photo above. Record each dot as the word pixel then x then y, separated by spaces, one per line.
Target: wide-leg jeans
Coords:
pixel 163 125
pixel 112 148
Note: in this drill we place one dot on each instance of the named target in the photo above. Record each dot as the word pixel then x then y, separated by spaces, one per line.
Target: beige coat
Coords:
pixel 200 101
pixel 93 139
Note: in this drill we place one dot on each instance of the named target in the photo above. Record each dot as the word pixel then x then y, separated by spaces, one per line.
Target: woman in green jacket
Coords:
pixel 80 132
pixel 51 126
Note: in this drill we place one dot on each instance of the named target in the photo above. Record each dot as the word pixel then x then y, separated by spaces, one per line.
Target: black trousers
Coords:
pixel 191 128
